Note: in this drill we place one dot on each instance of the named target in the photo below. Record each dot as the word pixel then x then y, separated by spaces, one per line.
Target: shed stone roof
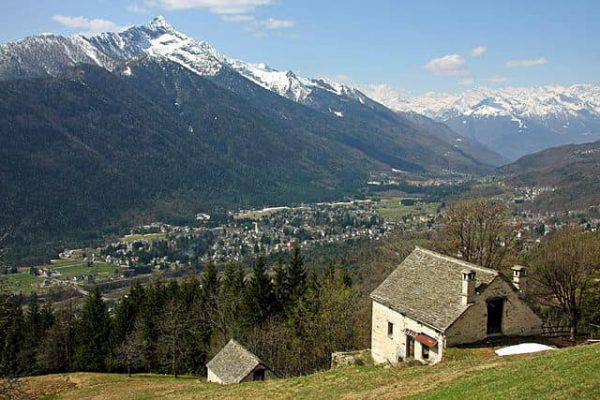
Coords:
pixel 233 363
pixel 427 287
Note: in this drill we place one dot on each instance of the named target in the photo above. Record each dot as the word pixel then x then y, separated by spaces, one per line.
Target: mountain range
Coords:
pixel 512 121
pixel 149 123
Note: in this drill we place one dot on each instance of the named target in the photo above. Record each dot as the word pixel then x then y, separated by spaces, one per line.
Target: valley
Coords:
pixel 272 200
pixel 162 250
pixel 190 130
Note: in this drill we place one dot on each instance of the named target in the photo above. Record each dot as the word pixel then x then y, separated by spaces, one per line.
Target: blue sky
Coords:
pixel 413 45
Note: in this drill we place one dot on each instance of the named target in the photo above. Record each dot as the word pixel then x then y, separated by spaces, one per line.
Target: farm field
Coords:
pixel 392 210
pixel 25 283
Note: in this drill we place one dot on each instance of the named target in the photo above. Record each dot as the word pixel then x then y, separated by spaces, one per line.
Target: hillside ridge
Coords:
pixel 468 373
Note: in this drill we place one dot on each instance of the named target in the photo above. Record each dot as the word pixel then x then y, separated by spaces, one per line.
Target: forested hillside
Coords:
pixel 75 156
pixel 571 175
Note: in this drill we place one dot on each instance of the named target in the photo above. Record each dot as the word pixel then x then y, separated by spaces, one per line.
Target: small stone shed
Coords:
pixel 235 364
pixel 432 301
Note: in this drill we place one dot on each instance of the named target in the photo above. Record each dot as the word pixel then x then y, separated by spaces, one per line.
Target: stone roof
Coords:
pixel 233 363
pixel 427 287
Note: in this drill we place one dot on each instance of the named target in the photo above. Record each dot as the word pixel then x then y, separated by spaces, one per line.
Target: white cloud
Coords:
pixel 237 18
pixel 526 63
pixel 452 64
pixel 265 27
pixel 466 81
pixel 497 79
pixel 138 9
pixel 273 23
pixel 94 25
pixel 478 51
pixel 214 6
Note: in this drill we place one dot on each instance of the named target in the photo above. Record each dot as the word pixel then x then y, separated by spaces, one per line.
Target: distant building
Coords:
pixel 202 217
pixel 432 301
pixel 235 364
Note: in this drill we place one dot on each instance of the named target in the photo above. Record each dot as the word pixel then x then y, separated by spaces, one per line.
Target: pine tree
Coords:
pixel 127 311
pixel 194 339
pixel 329 273
pixel 210 287
pixel 229 318
pixel 150 315
pixel 259 294
pixel 295 277
pixel 279 285
pixel 93 334
pixel 32 335
pixel 206 312
pixel 47 317
pixel 11 332
pixel 57 351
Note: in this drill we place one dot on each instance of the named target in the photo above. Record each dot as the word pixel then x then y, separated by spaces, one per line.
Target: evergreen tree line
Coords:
pixel 292 319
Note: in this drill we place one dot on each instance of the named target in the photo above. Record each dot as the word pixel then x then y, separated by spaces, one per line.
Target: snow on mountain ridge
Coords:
pixel 517 103
pixel 512 121
pixel 288 84
pixel 156 39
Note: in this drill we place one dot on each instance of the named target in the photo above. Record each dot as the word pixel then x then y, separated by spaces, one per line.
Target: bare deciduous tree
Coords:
pixel 478 231
pixel 131 352
pixel 565 267
pixel 173 332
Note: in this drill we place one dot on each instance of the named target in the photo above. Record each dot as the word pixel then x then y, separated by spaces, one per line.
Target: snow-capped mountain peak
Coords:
pixel 199 56
pixel 514 121
pixel 160 23
pixel 157 39
pixel 544 101
pixel 289 84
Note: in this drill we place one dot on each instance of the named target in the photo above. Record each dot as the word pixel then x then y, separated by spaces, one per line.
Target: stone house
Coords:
pixel 235 364
pixel 432 301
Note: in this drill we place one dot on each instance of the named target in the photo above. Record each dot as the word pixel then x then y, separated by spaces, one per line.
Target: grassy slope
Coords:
pixel 467 373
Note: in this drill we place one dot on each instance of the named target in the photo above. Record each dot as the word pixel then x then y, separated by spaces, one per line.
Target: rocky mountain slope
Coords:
pixel 512 121
pixel 49 55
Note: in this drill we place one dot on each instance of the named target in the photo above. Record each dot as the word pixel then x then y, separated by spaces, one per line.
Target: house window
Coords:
pixel 425 352
pixel 390 329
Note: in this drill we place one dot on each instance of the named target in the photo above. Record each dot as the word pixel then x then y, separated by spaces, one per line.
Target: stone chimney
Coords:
pixel 519 278
pixel 468 286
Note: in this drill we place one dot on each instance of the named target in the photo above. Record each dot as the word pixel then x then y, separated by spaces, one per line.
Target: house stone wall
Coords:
pixel 385 349
pixel 211 377
pixel 517 320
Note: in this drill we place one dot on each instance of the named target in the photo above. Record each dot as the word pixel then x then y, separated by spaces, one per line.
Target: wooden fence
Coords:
pixel 555 330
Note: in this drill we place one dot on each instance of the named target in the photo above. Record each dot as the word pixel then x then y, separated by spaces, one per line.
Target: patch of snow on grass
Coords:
pixel 523 348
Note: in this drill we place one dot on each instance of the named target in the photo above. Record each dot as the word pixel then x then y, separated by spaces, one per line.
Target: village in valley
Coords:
pixel 166 250
pixel 161 247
